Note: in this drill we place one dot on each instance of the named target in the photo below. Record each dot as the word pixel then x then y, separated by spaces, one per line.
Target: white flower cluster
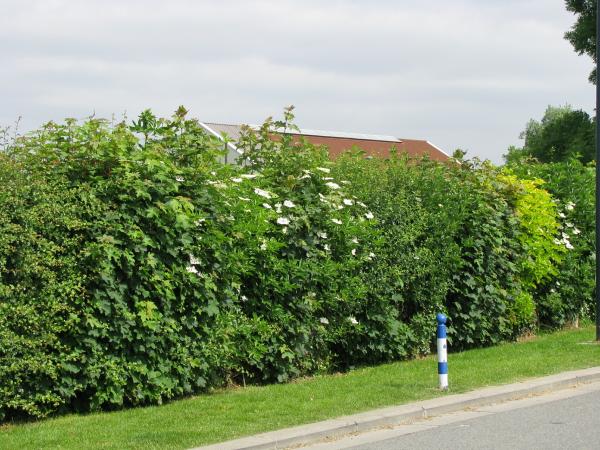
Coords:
pixel 191 267
pixel 564 241
pixel 565 238
pixel 262 193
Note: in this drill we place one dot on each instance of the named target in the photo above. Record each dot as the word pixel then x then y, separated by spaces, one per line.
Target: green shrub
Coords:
pixel 135 267
pixel 568 295
pixel 40 241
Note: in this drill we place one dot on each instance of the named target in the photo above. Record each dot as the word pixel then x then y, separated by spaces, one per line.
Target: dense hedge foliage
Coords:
pixel 135 267
pixel 570 293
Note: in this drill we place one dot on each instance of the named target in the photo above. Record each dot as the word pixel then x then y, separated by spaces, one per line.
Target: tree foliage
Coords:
pixel 562 134
pixel 583 32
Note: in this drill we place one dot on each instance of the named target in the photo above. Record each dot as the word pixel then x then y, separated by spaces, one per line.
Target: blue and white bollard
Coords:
pixel 442 351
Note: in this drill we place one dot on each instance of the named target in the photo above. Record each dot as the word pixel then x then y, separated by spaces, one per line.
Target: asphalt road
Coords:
pixel 568 419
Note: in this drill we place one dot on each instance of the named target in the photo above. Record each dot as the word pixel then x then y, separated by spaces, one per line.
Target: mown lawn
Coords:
pixel 238 412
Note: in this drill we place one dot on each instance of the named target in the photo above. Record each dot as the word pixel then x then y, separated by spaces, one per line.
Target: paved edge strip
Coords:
pixel 395 415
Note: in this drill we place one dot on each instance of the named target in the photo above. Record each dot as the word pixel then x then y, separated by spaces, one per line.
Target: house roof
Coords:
pixel 338 142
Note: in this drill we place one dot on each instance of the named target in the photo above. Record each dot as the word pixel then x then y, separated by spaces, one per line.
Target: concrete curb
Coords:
pixel 334 428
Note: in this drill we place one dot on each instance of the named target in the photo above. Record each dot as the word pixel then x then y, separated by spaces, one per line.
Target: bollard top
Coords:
pixel 441 318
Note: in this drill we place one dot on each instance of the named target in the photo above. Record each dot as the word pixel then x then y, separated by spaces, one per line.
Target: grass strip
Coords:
pixel 234 413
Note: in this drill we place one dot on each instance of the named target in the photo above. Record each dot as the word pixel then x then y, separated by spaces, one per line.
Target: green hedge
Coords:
pixel 135 267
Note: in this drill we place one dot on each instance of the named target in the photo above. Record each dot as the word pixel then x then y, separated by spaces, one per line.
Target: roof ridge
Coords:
pixel 223 123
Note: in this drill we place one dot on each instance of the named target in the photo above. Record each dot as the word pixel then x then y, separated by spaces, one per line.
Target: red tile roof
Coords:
pixel 339 142
pixel 377 148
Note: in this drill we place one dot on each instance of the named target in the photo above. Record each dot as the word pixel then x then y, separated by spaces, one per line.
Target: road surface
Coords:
pixel 565 419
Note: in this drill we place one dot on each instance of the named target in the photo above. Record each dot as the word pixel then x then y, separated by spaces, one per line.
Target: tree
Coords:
pixel 562 134
pixel 583 33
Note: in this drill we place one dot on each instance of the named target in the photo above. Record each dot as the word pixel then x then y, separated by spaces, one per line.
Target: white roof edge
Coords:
pixel 437 148
pixel 340 134
pixel 214 133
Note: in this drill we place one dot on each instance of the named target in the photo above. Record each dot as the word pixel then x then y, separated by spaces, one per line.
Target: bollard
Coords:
pixel 442 351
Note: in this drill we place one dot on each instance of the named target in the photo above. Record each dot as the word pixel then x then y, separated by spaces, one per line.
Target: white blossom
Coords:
pixel 371 255
pixel 237 180
pixel 324 169
pixel 263 246
pixel 324 321
pixel 326 247
pixel 328 178
pixel 266 205
pixel 322 234
pixel 576 230
pixel 194 260
pixel 244 199
pixel 570 206
pixel 369 215
pixel 353 252
pixel 305 176
pixel 284 230
pixel 569 245
pixel 561 215
pixel 283 221
pixel 244 298
pixel 199 222
pixel 353 320
pixel 179 178
pixel 348 202
pixel 362 204
pixel 262 193
pixel 332 185
pixel 354 241
pixel 338 221
pixel 288 204
pixel 191 269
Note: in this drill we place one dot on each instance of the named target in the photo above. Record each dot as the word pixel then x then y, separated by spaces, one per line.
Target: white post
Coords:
pixel 442 351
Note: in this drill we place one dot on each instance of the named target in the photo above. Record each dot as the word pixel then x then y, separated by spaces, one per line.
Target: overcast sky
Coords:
pixel 463 73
